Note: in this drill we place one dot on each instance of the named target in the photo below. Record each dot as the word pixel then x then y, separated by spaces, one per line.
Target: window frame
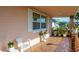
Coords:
pixel 31 20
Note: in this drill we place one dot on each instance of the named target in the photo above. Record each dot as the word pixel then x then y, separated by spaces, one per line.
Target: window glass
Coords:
pixel 36 16
pixel 43 25
pixel 36 25
pixel 43 19
pixel 39 21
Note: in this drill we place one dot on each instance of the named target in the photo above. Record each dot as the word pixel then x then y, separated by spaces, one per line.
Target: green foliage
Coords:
pixel 62 30
pixel 77 16
pixel 40 33
pixel 62 24
pixel 54 20
pixel 10 44
pixel 78 28
pixel 45 32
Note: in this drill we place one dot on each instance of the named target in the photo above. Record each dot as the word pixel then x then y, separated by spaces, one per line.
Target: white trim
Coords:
pixel 30 20
pixel 34 31
pixel 34 41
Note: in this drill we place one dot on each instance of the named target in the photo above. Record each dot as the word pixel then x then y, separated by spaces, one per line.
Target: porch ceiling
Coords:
pixel 57 11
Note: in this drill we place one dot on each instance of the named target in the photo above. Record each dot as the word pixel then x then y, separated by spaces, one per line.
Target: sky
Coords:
pixel 62 19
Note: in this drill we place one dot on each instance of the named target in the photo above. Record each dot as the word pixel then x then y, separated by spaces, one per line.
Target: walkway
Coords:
pixel 53 44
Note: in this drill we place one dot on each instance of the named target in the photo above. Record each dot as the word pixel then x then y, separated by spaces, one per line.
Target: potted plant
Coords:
pixel 45 34
pixel 55 33
pixel 65 33
pixel 59 31
pixel 41 35
pixel 10 46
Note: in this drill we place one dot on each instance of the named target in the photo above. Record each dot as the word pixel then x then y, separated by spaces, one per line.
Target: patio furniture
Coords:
pixel 22 45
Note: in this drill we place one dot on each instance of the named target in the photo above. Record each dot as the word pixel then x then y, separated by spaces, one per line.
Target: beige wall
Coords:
pixel 14 23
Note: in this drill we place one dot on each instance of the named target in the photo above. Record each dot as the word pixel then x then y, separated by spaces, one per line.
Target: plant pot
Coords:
pixel 46 36
pixel 41 38
pixel 55 34
pixel 59 34
pixel 11 49
pixel 64 35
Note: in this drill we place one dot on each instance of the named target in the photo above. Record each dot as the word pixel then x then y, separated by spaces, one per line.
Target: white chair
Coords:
pixel 22 45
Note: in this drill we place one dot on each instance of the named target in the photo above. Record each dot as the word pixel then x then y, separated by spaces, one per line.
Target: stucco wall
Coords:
pixel 14 23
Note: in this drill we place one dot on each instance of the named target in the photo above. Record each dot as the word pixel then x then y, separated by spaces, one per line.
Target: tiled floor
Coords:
pixel 64 46
pixel 53 44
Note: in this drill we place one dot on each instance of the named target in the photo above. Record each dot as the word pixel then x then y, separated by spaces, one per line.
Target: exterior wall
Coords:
pixel 14 23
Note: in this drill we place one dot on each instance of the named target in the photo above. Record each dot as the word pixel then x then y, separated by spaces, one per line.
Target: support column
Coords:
pixel 72 34
pixel 71 23
pixel 49 25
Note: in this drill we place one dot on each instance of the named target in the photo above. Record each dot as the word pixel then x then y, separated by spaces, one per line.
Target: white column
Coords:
pixel 49 25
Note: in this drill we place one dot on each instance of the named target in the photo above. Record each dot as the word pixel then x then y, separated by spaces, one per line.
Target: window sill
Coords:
pixel 34 31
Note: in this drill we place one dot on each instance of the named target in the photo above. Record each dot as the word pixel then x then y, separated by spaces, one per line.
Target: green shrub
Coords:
pixel 10 44
pixel 45 32
pixel 40 33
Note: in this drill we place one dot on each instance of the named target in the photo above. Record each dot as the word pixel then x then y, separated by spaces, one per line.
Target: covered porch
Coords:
pixel 28 29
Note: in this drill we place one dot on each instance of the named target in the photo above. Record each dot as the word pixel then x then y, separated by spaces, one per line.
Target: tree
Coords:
pixel 54 20
pixel 63 24
pixel 77 18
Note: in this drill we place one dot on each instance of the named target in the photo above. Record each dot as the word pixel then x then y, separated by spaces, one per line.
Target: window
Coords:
pixel 36 25
pixel 43 22
pixel 39 22
pixel 36 16
pixel 43 25
pixel 36 21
